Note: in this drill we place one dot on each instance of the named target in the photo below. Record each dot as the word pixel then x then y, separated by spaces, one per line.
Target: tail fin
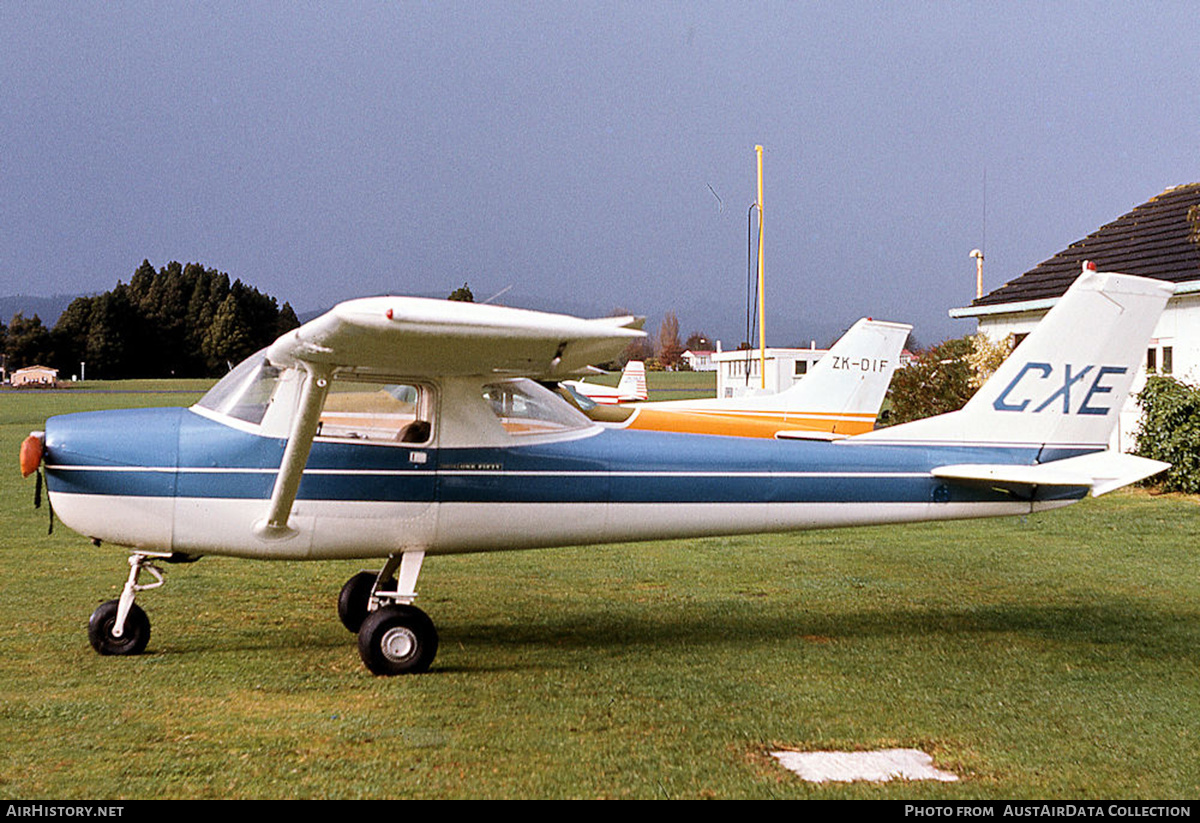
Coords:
pixel 1065 384
pixel 853 376
pixel 841 395
pixel 633 381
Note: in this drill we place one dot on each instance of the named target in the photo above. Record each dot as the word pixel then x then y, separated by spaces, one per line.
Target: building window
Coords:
pixel 1168 358
pixel 801 367
pixel 1151 360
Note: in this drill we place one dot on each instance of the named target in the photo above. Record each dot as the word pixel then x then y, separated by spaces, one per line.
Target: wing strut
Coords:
pixel 304 427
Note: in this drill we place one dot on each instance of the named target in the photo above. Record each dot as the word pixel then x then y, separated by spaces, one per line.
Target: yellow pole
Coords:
pixel 762 297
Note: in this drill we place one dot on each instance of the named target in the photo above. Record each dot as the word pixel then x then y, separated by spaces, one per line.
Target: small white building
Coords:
pixel 35 376
pixel 739 373
pixel 700 360
pixel 1159 239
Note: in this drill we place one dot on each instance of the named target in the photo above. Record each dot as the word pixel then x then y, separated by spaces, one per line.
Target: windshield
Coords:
pixel 246 391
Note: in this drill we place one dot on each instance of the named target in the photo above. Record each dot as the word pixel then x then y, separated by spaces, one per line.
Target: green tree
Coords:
pixel 462 295
pixel 229 339
pixel 27 342
pixel 943 378
pixel 1170 431
pixel 163 303
pixel 70 335
pixel 669 348
pixel 937 381
pixel 287 320
pixel 114 337
pixel 177 321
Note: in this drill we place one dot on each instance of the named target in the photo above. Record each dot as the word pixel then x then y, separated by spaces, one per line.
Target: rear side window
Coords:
pixel 525 409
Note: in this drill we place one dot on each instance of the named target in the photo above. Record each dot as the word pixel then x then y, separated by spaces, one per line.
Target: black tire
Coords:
pixel 354 599
pixel 132 641
pixel 397 640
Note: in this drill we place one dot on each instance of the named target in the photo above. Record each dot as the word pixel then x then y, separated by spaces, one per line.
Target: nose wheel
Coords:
pixel 120 627
pixel 134 634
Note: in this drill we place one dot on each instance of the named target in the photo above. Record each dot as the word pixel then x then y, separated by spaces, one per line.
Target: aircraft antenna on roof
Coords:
pixel 497 294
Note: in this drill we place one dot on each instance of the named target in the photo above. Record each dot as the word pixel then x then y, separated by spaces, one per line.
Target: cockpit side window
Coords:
pixel 377 413
pixel 524 408
pixel 246 391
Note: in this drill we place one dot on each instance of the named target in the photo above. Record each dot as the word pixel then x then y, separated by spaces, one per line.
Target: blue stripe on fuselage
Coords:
pixel 164 452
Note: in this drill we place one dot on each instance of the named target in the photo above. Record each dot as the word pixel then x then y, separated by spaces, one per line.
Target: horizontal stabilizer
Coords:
pixel 1100 471
pixel 1112 470
pixel 1035 475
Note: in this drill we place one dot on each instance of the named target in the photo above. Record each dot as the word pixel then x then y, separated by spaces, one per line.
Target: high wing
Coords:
pixel 421 336
pixel 424 337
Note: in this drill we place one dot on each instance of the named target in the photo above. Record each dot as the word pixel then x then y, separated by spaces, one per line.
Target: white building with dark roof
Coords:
pixel 1158 239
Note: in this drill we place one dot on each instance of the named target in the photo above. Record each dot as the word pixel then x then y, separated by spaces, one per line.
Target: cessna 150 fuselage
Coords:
pixel 400 428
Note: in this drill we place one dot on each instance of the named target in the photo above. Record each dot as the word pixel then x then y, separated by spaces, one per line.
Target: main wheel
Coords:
pixel 353 600
pixel 397 640
pixel 132 641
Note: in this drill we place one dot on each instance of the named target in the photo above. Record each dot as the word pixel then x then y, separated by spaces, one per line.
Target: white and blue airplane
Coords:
pixel 630 389
pixel 397 428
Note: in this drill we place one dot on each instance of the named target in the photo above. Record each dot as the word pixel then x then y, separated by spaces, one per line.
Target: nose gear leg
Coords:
pixel 120 627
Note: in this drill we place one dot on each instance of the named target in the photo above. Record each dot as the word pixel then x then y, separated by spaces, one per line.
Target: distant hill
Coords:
pixel 47 308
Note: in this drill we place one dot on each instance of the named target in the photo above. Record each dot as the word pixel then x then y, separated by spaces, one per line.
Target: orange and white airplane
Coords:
pixel 841 396
pixel 631 388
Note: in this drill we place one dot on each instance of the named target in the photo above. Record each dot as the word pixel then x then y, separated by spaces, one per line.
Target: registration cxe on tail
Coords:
pixel 399 429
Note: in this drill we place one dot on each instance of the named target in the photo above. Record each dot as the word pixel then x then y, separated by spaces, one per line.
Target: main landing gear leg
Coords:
pixel 394 636
pixel 120 626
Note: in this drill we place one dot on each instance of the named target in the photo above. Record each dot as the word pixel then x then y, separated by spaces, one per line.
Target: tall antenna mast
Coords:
pixel 762 315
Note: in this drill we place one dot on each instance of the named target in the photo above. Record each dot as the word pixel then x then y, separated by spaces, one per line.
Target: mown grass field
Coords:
pixel 1055 656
